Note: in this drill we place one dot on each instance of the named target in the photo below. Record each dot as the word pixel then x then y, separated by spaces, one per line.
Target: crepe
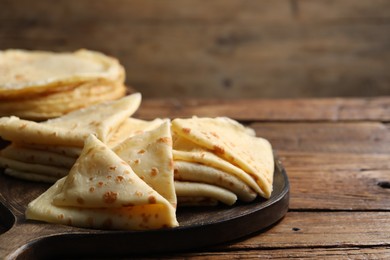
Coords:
pixel 202 190
pixel 62 102
pixel 150 156
pixel 102 191
pixel 186 150
pixel 26 73
pixel 71 129
pixel 195 172
pixel 36 169
pixel 230 141
pixel 37 156
pixel 38 85
pixel 130 127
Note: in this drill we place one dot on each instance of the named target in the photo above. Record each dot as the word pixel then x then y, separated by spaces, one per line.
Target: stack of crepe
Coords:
pixel 220 160
pixel 110 170
pixel 39 85
pixel 114 171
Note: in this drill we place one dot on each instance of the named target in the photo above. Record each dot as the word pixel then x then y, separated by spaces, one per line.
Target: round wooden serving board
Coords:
pixel 199 226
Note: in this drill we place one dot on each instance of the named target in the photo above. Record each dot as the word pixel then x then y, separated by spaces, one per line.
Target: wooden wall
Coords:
pixel 219 48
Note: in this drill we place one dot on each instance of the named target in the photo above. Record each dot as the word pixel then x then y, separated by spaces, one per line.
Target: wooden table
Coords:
pixel 337 155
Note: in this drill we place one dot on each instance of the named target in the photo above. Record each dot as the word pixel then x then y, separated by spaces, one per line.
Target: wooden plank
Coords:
pixel 289 253
pixel 222 49
pixel 339 190
pixel 326 109
pixel 323 229
pixel 338 181
pixel 350 137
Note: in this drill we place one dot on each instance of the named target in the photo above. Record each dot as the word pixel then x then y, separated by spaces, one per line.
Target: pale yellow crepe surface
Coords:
pixel 30 72
pixel 102 191
pixel 150 156
pixel 230 141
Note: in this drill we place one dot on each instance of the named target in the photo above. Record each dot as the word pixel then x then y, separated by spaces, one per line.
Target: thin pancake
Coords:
pixel 150 156
pixel 102 191
pixel 202 190
pixel 229 141
pixel 195 172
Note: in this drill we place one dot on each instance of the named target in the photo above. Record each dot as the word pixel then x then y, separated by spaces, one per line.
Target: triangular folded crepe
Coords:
pixel 231 141
pixel 102 191
pixel 150 156
pixel 72 129
pixel 185 150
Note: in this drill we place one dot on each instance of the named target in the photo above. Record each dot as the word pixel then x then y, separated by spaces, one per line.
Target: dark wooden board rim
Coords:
pixel 199 227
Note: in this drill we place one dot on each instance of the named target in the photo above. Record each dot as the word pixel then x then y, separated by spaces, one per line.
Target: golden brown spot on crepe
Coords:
pixel 108 176
pixel 126 172
pixel 218 150
pixel 119 178
pixel 107 224
pixel 60 216
pixel 92 189
pixel 171 164
pixel 22 126
pixel 214 134
pixel 124 163
pixel 152 199
pixel 112 168
pixel 110 197
pixel 80 200
pixel 186 130
pixel 142 151
pixel 137 161
pixel 100 184
pixel 19 77
pixel 138 193
pixel 145 218
pixel 154 171
pixel 165 140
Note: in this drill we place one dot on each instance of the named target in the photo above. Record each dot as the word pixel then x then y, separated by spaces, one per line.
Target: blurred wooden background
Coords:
pixel 219 48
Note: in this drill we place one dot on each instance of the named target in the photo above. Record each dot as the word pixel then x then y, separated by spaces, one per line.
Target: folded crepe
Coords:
pixel 192 190
pixel 150 156
pixel 102 191
pixel 195 172
pixel 71 129
pixel 233 143
pixel 51 147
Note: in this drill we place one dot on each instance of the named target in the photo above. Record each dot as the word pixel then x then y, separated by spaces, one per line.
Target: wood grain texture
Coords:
pixel 287 48
pixel 325 109
pixel 337 157
pixel 291 253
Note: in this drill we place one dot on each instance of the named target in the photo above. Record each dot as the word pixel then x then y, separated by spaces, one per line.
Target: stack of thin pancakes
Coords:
pixel 220 160
pixel 114 171
pixel 111 171
pixel 39 85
